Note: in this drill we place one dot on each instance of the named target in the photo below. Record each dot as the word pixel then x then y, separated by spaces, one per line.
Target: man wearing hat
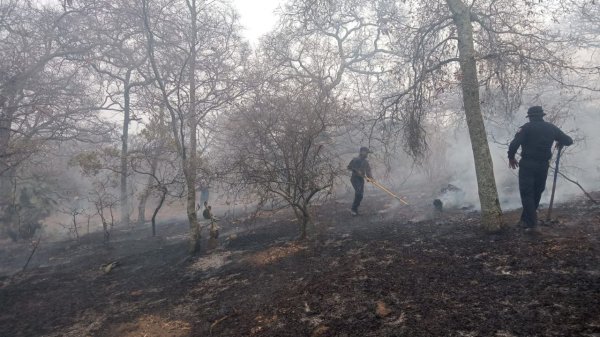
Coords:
pixel 535 139
pixel 360 170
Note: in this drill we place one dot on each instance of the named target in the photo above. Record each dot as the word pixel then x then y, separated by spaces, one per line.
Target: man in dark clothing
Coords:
pixel 535 139
pixel 360 170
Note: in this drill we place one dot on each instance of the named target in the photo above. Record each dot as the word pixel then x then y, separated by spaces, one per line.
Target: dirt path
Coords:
pixel 374 275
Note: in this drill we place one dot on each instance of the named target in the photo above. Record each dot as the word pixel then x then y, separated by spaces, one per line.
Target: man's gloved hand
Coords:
pixel 513 163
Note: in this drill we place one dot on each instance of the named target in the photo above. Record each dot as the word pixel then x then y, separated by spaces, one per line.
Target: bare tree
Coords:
pixel 156 157
pixel 344 45
pixel 122 60
pixel 73 226
pixel 491 214
pixel 583 19
pixel 104 199
pixel 282 157
pixel 101 167
pixel 38 88
pixel 44 95
pixel 197 59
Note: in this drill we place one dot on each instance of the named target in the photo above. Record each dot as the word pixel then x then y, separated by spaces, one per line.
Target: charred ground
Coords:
pixel 374 275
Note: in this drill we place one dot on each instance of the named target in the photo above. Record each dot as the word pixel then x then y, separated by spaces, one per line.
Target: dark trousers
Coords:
pixel 359 189
pixel 532 183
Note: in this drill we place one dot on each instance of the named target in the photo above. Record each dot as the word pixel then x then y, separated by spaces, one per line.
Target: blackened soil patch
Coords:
pixel 371 275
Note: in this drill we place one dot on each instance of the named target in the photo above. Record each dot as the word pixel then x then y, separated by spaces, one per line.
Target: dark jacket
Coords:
pixel 536 138
pixel 360 167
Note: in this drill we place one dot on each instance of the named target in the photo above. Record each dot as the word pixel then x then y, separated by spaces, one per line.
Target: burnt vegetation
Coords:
pixel 121 122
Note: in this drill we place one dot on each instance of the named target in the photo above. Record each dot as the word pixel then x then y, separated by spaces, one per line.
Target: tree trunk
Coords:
pixel 491 214
pixel 303 217
pixel 7 179
pixel 143 200
pixel 160 203
pixel 124 150
pixel 6 171
pixel 305 222
pixel 153 165
pixel 188 164
pixel 190 171
pixel 100 211
pixel 75 226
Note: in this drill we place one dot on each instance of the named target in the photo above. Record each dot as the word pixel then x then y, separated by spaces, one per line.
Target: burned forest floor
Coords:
pixel 384 273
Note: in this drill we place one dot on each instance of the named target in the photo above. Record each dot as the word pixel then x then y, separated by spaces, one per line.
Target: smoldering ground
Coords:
pixel 357 276
pixel 450 160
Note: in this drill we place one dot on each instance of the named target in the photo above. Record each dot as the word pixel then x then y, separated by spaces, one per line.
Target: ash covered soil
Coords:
pixel 374 275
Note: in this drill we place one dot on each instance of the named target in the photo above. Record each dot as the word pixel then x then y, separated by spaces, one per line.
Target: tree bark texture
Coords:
pixel 190 170
pixel 491 213
pixel 124 152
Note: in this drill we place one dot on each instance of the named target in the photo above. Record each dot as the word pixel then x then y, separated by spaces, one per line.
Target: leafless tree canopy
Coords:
pixel 114 101
pixel 283 154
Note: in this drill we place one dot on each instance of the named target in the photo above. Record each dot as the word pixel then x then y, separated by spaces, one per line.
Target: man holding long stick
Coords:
pixel 361 170
pixel 535 139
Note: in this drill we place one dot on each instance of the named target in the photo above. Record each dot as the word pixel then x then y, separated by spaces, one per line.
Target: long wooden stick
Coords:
pixel 381 187
pixel 549 215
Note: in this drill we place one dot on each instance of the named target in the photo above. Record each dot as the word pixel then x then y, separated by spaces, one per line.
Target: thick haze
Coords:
pixel 452 158
pixel 257 17
pixel 449 159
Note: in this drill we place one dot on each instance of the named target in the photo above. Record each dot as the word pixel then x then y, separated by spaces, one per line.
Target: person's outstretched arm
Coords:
pixel 513 147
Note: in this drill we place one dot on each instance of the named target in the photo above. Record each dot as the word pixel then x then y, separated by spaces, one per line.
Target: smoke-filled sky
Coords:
pixel 257 17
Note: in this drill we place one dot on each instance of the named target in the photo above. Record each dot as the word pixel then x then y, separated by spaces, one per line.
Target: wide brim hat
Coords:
pixel 535 111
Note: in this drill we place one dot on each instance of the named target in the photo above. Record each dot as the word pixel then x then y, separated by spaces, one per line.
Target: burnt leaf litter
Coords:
pixel 373 275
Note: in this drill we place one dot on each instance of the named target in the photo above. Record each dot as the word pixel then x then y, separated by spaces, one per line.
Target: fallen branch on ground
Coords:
pixel 217 322
pixel 34 245
pixel 580 187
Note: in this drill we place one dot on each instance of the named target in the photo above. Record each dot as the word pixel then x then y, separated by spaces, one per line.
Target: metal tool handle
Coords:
pixel 549 215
